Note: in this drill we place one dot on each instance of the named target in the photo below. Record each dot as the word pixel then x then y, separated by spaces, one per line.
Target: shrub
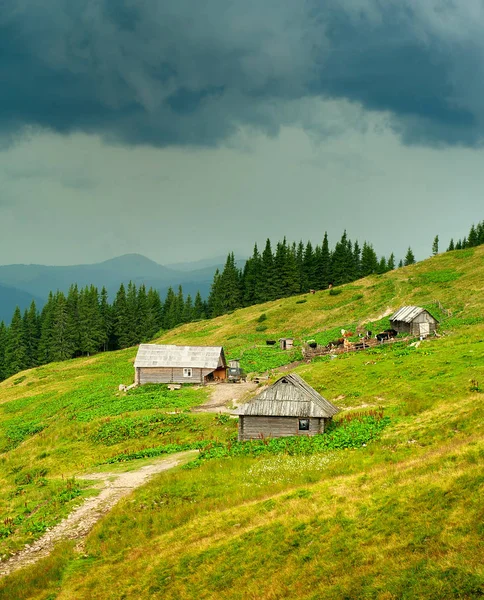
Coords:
pixel 262 318
pixel 335 291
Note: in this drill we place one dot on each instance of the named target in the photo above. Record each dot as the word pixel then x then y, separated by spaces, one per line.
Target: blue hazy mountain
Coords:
pixel 21 283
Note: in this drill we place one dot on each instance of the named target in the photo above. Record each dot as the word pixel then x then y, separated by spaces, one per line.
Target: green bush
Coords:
pixel 335 291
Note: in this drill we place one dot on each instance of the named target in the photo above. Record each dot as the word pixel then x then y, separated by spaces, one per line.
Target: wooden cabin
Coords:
pixel 156 363
pixel 414 320
pixel 288 407
pixel 286 343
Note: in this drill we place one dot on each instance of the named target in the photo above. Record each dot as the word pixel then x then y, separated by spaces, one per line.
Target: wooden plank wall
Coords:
pixel 251 428
pixel 170 375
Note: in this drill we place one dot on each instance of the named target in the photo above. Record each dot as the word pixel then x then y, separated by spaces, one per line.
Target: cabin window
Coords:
pixel 303 424
pixel 187 372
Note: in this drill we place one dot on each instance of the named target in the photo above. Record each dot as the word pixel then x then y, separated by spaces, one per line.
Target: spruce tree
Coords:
pixel 46 331
pixel 155 313
pixel 121 318
pixel 16 350
pixel 400 263
pixel 169 310
pixel 309 269
pixel 356 260
pixel 63 346
pixel 230 289
pixel 266 288
pixel 250 278
pixel 451 245
pixel 391 262
pixel 369 260
pixel 325 269
pixel 187 316
pixel 409 257
pixel 31 325
pixel 142 324
pixel 3 344
pixel 472 238
pixel 382 266
pixel 106 315
pixel 73 318
pixel 199 309
pixel 435 245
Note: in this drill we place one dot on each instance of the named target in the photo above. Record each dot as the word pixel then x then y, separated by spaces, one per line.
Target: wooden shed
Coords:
pixel 288 407
pixel 414 320
pixel 156 363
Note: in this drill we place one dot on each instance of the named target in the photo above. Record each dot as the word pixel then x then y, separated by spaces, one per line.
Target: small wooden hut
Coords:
pixel 288 407
pixel 414 320
pixel 156 363
pixel 286 343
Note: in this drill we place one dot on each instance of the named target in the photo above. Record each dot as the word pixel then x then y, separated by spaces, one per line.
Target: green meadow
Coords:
pixel 397 514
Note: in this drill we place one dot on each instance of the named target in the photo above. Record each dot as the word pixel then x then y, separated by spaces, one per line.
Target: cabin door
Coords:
pixel 424 329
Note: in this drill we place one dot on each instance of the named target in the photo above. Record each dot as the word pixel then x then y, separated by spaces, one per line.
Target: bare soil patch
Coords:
pixel 224 397
pixel 79 523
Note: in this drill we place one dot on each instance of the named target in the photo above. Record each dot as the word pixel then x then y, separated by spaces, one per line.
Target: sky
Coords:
pixel 183 130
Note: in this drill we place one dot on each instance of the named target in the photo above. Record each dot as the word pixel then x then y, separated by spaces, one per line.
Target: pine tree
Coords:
pixel 187 316
pixel 472 239
pixel 369 260
pixel 451 245
pixel 325 270
pixel 3 344
pixel 356 260
pixel 458 245
pixel 480 232
pixel 16 349
pixel 199 309
pixel 169 310
pixel 73 318
pixel 382 266
pixel 342 261
pixel 142 324
pixel 391 262
pixel 265 288
pixel 46 331
pixel 155 313
pixel 230 289
pixel 250 278
pixel 400 263
pixel 435 245
pixel 63 345
pixel 120 318
pixel 31 326
pixel 309 269
pixel 106 314
pixel 409 257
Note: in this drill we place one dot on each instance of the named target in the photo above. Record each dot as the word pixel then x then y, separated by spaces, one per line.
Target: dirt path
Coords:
pixel 222 394
pixel 79 523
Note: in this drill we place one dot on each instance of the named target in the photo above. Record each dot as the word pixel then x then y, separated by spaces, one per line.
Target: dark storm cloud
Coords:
pixel 163 73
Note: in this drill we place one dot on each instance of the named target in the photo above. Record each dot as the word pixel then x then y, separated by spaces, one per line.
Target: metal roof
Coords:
pixel 408 313
pixel 289 396
pixel 200 357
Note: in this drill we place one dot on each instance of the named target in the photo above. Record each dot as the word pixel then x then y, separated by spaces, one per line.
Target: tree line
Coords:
pixel 293 268
pixel 84 322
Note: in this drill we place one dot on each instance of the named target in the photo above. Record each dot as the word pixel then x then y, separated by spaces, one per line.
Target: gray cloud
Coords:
pixel 165 73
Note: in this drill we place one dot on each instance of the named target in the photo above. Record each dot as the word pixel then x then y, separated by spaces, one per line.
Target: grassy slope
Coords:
pixel 397 519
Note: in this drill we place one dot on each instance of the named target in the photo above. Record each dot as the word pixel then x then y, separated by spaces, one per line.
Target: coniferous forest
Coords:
pixel 85 322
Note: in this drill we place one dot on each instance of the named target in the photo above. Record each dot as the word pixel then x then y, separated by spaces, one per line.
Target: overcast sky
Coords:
pixel 182 130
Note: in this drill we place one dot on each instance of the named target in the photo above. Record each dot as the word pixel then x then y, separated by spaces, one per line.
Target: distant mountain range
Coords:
pixel 20 284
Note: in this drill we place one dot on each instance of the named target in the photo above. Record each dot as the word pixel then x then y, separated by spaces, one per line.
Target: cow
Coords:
pixel 386 335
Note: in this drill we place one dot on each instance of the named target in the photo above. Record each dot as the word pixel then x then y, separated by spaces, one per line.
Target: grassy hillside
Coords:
pixel 398 518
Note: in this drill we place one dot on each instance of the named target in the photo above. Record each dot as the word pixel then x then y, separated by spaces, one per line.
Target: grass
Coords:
pixel 398 518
